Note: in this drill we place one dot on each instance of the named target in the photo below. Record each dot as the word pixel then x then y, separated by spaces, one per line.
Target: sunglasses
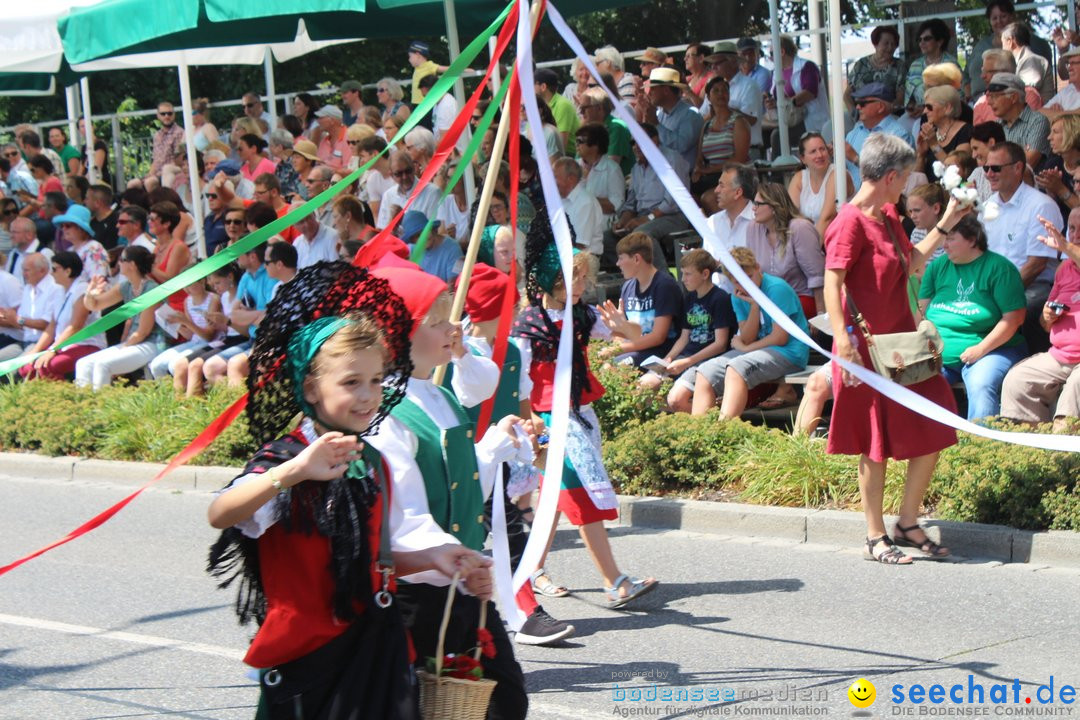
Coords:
pixel 759 203
pixel 234 222
pixel 996 168
pixel 248 106
pixel 14 153
pixel 212 196
pixel 122 221
pixel 864 103
pixel 9 213
pixel 381 90
pixel 927 38
pixel 166 114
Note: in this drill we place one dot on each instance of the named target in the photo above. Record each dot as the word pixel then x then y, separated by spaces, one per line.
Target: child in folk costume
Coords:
pixel 483 305
pixel 586 495
pixel 305 526
pixel 441 472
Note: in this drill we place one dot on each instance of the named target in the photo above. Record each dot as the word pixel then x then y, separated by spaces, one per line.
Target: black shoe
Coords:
pixel 542 629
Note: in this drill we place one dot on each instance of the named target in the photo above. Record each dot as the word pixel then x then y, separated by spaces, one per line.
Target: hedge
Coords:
pixel 647 451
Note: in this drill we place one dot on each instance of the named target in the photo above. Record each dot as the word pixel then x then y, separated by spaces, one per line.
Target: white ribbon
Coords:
pixel 500 550
pixel 544 519
pixel 679 192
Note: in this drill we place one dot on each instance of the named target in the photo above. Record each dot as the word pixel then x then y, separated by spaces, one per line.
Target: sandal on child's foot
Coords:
pixel 542 585
pixel 930 549
pixel 882 550
pixel 636 589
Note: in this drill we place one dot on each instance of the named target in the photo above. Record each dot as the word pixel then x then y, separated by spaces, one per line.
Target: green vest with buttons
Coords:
pixel 447 462
pixel 507 394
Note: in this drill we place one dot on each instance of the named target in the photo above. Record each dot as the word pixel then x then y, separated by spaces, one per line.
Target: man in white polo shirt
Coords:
pixel 1015 233
pixel 735 221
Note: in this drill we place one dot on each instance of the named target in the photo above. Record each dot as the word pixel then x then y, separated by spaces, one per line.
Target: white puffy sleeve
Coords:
pixel 411 525
pixel 475 378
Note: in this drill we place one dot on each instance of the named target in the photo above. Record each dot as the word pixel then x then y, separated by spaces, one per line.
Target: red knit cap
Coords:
pixel 487 288
pixel 417 288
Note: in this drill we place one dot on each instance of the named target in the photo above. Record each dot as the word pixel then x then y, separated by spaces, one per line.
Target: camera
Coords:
pixel 1057 307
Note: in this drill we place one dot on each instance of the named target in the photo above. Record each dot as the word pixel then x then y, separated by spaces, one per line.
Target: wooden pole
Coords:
pixel 485 204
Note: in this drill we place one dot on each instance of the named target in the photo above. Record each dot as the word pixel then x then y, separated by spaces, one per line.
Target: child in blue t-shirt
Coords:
pixel 762 351
pixel 706 325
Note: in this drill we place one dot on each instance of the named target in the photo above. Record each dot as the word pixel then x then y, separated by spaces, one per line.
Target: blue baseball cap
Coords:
pixel 422 48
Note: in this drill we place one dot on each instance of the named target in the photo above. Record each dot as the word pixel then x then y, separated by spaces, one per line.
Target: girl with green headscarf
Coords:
pixel 306 526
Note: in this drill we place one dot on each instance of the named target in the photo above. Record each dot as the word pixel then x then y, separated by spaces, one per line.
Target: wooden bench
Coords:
pixel 801 378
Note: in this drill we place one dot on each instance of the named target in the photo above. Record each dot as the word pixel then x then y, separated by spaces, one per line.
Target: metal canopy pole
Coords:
pixel 836 90
pixel 782 100
pixel 71 95
pixel 268 74
pixel 193 164
pixel 91 171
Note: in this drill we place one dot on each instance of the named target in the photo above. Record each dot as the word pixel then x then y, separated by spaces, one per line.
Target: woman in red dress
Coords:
pixel 861 259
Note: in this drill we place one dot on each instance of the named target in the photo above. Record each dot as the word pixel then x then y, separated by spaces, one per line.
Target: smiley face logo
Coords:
pixel 862 693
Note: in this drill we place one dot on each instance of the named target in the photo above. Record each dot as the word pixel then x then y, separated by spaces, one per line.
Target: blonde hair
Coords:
pixel 784 210
pixel 359 131
pixel 248 125
pixel 1070 129
pixel 583 264
pixel 439 310
pixel 945 95
pixel 360 333
pixel 942 74
pixel 744 256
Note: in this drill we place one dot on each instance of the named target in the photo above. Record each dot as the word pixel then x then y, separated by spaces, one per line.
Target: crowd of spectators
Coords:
pixel 1000 291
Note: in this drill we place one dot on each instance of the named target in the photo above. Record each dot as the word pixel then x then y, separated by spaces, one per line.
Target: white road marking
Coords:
pixel 136 638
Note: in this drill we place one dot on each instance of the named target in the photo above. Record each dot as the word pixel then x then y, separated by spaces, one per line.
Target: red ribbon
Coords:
pixel 195 447
pixel 371 252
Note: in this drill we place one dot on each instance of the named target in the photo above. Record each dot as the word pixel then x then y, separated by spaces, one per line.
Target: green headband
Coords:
pixel 486 253
pixel 303 346
pixel 548 268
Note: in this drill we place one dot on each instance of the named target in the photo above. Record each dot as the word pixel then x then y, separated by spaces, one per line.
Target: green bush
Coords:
pixel 121 422
pixel 624 401
pixel 676 454
pixel 982 480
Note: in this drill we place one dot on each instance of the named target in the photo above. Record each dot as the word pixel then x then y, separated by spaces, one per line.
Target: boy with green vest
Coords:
pixel 442 475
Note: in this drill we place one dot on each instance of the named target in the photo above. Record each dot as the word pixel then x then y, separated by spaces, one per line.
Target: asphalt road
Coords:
pixel 124 623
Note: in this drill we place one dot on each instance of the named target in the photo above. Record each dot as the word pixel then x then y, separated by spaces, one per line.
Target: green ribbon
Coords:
pixel 252 241
pixel 474 145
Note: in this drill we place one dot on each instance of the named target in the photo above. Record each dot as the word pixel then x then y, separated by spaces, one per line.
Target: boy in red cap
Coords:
pixel 441 472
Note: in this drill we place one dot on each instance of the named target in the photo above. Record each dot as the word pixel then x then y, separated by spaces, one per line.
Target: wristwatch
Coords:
pixel 21 320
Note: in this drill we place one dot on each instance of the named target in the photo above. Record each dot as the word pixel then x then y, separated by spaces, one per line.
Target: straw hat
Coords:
pixel 665 76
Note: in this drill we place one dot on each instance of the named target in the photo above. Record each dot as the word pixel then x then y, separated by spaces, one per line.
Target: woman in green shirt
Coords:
pixel 976 299
pixel 71 157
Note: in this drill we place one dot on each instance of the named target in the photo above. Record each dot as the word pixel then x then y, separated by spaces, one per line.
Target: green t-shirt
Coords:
pixel 619 143
pixel 566 119
pixel 66 153
pixel 967 301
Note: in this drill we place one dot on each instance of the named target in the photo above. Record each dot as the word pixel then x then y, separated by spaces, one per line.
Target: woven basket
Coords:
pixel 447 698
